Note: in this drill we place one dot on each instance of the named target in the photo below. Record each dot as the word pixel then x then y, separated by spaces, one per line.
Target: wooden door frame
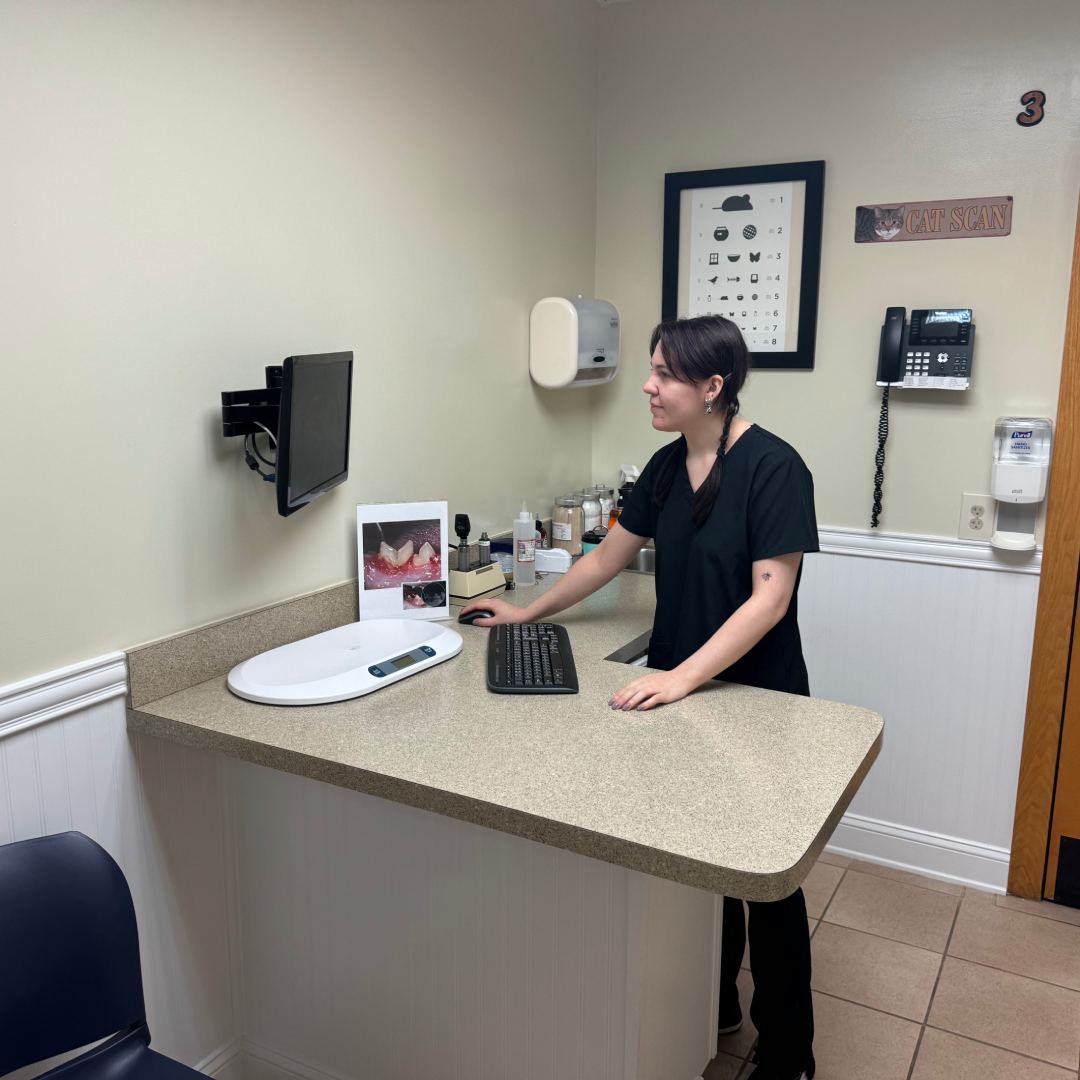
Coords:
pixel 1053 622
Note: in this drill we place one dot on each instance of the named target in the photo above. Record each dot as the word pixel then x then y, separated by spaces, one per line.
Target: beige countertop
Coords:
pixel 732 789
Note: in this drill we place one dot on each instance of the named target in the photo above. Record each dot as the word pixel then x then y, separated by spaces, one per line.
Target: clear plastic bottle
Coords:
pixel 524 548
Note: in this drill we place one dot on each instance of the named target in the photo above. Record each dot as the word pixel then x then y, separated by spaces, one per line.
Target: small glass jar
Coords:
pixel 590 510
pixel 567 520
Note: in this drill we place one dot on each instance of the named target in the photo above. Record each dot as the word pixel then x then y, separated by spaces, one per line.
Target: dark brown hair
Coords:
pixel 694 350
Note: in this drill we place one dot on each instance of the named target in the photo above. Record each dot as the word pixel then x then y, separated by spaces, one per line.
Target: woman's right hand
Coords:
pixel 502 612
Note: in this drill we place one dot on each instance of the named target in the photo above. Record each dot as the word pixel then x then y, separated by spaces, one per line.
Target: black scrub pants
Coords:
pixel 782 1009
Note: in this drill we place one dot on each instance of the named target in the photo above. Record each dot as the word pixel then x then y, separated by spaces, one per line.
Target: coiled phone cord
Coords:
pixel 879 457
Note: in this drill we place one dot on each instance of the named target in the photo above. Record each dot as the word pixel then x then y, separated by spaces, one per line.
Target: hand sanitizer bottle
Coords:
pixel 524 549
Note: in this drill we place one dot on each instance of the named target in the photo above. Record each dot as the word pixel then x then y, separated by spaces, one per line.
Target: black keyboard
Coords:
pixel 530 658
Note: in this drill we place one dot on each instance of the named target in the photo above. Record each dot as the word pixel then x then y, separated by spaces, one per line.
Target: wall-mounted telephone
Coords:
pixel 933 353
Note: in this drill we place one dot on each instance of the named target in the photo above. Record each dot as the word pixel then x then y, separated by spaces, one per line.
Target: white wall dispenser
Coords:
pixel 573 342
pixel 1018 479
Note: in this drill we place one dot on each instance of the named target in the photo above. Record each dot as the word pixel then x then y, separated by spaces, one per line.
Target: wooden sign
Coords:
pixel 946 219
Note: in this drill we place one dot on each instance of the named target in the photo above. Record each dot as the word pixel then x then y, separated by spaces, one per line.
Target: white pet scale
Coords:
pixel 346 662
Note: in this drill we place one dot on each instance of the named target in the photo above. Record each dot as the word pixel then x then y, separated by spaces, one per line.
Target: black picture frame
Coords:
pixel 675 268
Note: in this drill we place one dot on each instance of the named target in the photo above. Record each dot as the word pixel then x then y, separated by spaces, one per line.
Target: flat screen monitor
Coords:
pixel 313 427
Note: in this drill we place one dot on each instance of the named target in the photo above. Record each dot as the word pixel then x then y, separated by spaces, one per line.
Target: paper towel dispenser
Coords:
pixel 573 342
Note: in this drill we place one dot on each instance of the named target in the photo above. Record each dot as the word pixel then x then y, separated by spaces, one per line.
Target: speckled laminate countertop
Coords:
pixel 732 789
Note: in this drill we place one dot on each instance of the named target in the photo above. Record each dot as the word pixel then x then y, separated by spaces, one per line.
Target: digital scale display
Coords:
pixel 400 663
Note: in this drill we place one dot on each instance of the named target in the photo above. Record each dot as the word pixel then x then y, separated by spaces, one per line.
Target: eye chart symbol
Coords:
pixel 734 258
pixel 720 232
pixel 750 231
pixel 735 202
pixel 755 256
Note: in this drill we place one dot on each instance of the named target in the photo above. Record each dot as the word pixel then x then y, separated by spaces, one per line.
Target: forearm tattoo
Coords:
pixel 766 576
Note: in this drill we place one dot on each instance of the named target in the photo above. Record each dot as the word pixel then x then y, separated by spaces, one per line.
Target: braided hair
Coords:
pixel 695 350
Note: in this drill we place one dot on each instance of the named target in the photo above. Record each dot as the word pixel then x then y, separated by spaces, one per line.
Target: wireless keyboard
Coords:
pixel 530 658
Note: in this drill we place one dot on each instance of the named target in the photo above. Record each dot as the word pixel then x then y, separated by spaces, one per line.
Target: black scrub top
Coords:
pixel 764 508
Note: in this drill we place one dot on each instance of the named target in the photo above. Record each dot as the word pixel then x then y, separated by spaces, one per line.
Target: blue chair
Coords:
pixel 69 964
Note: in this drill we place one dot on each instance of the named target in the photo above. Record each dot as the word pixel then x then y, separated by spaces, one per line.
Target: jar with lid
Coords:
pixel 590 510
pixel 566 524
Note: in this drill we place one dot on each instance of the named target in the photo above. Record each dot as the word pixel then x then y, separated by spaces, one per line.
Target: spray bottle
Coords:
pixel 524 548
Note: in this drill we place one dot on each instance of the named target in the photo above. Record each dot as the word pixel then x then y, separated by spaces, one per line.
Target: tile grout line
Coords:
pixel 933 992
pixel 913 884
pixel 883 937
pixel 832 896
pixel 966 960
pixel 994 1046
pixel 1037 914
pixel 1015 974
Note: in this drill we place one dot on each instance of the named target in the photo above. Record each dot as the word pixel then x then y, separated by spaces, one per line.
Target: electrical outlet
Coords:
pixel 976 517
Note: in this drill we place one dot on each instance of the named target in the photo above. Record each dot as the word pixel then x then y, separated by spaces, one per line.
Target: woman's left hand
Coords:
pixel 660 688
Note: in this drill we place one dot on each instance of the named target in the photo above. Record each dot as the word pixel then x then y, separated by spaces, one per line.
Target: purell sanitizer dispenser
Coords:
pixel 573 342
pixel 1018 479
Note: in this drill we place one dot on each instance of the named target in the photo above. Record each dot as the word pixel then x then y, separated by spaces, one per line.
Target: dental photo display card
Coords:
pixel 402 556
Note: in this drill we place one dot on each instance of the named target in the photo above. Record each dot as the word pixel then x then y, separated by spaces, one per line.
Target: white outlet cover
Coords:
pixel 976 521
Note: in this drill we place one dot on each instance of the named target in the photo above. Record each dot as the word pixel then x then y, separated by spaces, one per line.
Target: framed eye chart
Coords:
pixel 745 243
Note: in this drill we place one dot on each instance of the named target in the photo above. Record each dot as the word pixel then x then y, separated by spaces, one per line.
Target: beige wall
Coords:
pixel 193 190
pixel 903 102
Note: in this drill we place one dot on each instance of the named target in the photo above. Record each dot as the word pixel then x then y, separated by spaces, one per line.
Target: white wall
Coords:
pixel 194 190
pixel 903 102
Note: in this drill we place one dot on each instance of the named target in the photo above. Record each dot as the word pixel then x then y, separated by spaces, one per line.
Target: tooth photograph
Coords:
pixel 400 552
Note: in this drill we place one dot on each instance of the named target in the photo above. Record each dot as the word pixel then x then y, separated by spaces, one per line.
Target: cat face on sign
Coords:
pixel 888 221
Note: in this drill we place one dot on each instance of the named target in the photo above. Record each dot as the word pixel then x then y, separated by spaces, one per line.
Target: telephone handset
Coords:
pixel 933 353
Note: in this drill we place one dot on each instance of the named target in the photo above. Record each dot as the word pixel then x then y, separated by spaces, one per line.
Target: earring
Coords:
pixel 708 406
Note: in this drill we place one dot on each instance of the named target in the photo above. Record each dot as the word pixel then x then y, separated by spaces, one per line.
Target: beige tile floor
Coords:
pixel 916 979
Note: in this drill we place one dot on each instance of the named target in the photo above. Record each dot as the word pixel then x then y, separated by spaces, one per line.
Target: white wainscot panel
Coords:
pixel 70 763
pixel 383 941
pixel 942 651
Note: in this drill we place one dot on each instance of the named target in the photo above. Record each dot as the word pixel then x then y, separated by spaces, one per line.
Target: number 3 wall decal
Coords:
pixel 1034 100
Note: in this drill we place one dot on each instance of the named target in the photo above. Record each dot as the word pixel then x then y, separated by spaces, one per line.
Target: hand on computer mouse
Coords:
pixel 470 615
pixel 491 613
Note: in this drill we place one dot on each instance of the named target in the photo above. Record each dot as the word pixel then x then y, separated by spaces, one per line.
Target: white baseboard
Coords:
pixel 262 1063
pixel 946 858
pixel 225 1063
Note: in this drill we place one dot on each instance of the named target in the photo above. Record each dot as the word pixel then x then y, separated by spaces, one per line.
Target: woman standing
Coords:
pixel 731 508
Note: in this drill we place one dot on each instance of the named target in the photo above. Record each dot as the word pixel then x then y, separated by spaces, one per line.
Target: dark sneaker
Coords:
pixel 729 1021
pixel 773 1072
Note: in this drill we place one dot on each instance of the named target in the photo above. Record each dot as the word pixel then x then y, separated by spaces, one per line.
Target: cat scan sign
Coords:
pixel 946 219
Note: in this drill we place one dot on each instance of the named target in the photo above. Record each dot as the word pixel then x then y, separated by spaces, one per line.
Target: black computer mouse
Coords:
pixel 472 616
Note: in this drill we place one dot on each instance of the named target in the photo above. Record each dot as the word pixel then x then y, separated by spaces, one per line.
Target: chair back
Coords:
pixel 69 949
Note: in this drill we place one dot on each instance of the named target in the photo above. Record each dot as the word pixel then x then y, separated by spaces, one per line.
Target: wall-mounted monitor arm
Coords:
pixel 249 412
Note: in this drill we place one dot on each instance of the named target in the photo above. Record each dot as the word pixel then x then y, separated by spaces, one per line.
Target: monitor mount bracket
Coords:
pixel 253 412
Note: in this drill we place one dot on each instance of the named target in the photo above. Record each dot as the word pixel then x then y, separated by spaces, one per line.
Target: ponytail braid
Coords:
pixel 705 495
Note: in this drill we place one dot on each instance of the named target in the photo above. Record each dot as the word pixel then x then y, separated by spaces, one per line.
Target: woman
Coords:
pixel 731 508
